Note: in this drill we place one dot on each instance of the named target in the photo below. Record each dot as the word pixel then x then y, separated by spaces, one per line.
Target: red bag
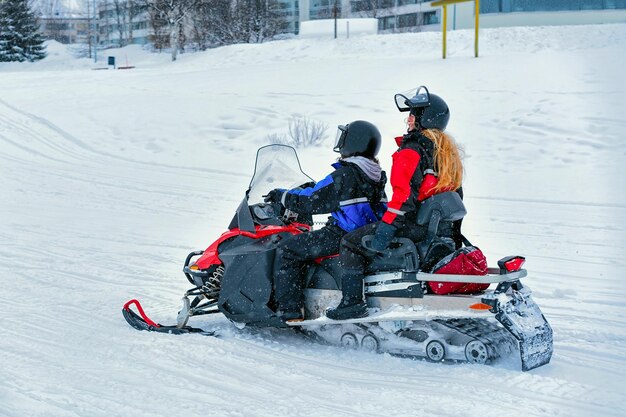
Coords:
pixel 465 261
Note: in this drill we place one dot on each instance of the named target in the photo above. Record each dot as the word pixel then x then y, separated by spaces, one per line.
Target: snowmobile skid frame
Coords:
pixel 487 326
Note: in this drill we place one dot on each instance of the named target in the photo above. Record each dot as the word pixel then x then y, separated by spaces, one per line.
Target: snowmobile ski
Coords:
pixel 142 322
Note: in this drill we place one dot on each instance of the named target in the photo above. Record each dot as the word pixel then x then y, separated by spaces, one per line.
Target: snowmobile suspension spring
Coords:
pixel 212 284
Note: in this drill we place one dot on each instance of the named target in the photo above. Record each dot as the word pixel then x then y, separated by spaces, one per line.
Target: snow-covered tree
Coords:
pixel 257 20
pixel 222 22
pixel 160 36
pixel 124 14
pixel 201 24
pixel 119 8
pixel 20 39
pixel 173 13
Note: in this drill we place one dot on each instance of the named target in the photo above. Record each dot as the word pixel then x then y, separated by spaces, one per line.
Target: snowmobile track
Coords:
pixel 498 341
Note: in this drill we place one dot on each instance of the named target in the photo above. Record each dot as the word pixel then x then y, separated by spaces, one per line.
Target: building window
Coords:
pixel 508 6
pixel 360 6
pixel 430 18
pixel 407 20
pixel 388 22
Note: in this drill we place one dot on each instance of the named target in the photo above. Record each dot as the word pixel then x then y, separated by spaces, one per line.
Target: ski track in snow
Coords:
pixel 99 207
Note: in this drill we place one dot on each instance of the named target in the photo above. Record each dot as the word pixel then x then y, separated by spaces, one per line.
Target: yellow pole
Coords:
pixel 444 4
pixel 477 12
pixel 445 22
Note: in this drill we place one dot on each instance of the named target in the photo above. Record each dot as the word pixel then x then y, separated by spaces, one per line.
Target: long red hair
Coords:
pixel 448 162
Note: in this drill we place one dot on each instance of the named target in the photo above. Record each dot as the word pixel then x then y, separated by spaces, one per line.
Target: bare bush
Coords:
pixel 302 133
pixel 276 139
pixel 306 132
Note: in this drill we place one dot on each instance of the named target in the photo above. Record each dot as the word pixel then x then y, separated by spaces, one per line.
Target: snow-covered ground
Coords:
pixel 109 179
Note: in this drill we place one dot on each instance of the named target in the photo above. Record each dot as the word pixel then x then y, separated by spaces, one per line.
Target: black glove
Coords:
pixel 383 236
pixel 274 196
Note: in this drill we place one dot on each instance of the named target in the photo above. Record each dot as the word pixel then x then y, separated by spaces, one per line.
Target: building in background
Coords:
pixel 290 10
pixel 323 9
pixel 393 15
pixel 501 13
pixel 397 16
pixel 122 23
pixel 418 15
pixel 66 29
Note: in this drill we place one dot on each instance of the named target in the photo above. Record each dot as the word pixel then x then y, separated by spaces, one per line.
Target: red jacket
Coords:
pixel 413 177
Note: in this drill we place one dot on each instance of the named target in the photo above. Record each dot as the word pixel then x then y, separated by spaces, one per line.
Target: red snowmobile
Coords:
pixel 234 277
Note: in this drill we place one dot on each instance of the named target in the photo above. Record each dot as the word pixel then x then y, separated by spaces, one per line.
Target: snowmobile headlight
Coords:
pixel 194 267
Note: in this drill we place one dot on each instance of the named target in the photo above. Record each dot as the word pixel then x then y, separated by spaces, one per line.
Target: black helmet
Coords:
pixel 430 110
pixel 359 138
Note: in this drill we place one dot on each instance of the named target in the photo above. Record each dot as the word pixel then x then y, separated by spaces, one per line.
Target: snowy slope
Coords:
pixel 109 179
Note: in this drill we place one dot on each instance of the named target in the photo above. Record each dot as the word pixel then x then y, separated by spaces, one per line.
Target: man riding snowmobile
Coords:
pixel 354 196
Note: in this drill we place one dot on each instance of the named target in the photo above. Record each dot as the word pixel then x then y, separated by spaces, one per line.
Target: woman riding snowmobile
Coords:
pixel 354 196
pixel 426 163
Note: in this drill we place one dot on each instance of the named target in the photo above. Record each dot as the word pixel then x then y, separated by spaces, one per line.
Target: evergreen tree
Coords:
pixel 20 39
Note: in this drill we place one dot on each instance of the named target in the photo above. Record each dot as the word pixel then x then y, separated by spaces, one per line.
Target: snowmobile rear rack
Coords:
pixel 388 279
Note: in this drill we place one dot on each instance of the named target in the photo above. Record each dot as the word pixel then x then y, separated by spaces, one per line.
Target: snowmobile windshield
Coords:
pixel 277 166
pixel 417 97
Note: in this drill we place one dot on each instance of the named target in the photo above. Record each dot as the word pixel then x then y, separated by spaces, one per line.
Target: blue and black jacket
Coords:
pixel 351 197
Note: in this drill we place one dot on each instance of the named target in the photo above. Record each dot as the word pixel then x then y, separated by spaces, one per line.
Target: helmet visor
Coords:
pixel 340 139
pixel 419 97
pixel 402 102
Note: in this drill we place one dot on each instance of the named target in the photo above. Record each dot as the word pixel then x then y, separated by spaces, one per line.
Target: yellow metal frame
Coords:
pixel 445 4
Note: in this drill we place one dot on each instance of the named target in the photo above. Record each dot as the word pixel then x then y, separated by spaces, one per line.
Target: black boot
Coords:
pixel 347 311
pixel 352 305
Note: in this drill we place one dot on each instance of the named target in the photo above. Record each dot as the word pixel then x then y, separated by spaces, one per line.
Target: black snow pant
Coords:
pixel 354 258
pixel 292 258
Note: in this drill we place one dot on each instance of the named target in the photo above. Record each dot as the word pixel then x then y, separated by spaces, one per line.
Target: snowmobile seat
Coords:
pixel 400 256
pixel 443 207
pixel 446 206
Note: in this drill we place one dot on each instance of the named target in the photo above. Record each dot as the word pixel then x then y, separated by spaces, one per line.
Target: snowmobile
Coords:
pixel 233 277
